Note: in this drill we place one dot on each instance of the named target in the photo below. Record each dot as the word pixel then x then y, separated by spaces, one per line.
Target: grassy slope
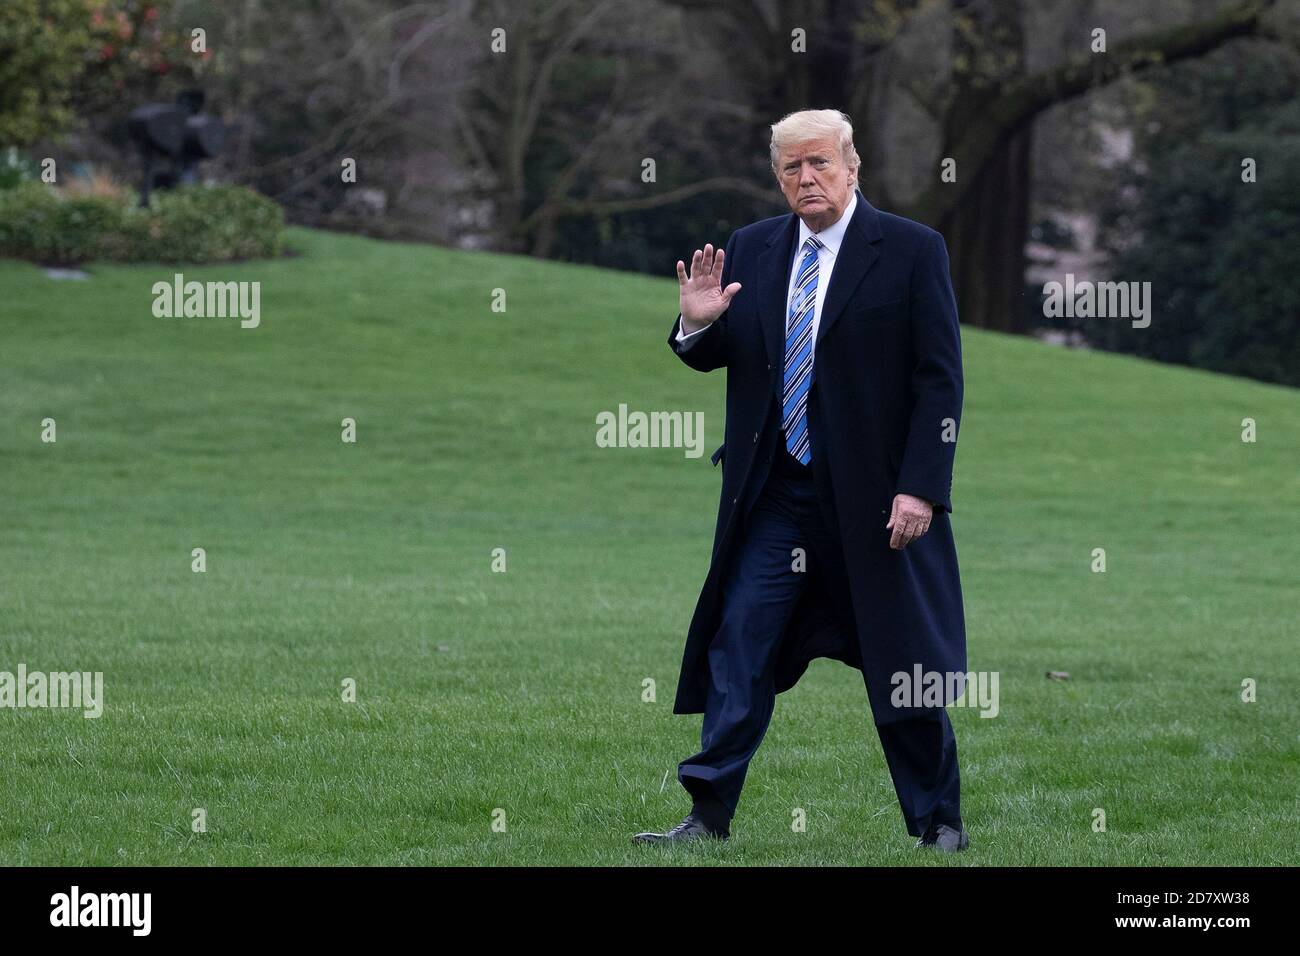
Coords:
pixel 522 690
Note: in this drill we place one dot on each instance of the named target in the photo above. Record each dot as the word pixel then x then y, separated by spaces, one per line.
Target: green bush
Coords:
pixel 194 224
pixel 213 224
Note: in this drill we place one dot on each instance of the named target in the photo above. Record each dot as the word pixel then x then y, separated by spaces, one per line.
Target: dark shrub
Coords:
pixel 197 224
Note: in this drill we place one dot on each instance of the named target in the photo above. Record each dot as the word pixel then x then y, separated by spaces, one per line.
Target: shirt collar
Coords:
pixel 832 235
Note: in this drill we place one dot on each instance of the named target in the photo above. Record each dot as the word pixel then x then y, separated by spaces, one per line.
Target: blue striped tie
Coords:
pixel 799 355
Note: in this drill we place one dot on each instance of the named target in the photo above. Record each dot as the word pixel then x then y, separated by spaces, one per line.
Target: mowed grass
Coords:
pixel 518 696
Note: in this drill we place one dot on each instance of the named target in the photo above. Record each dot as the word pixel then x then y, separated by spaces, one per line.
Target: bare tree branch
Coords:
pixel 978 122
pixel 582 207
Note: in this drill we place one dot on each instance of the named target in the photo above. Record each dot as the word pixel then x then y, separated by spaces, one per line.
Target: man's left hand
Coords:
pixel 910 519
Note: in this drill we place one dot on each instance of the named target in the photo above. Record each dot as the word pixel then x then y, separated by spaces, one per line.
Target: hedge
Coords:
pixel 192 224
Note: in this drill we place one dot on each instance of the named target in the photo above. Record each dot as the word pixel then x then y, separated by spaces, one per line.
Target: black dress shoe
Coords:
pixel 944 838
pixel 692 828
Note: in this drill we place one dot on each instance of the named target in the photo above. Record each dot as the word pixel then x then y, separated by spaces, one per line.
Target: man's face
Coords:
pixel 815 181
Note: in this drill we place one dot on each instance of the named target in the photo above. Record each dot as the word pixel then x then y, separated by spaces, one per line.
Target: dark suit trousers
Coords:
pixel 759 596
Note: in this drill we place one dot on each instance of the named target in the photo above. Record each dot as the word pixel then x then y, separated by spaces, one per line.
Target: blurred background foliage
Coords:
pixel 1124 164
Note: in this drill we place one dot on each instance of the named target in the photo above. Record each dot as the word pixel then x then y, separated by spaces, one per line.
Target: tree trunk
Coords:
pixel 988 128
pixel 986 233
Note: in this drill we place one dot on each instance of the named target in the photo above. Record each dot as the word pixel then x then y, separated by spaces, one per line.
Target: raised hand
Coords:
pixel 701 298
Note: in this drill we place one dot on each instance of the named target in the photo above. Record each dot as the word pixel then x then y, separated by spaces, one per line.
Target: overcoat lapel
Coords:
pixel 774 287
pixel 858 253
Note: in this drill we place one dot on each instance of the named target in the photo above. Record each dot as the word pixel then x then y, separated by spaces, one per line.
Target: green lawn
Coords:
pixel 522 690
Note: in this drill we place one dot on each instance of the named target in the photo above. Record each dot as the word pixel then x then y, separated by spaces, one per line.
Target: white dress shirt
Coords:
pixel 830 238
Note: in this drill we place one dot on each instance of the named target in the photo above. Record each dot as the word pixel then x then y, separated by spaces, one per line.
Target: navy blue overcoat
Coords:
pixel 883 412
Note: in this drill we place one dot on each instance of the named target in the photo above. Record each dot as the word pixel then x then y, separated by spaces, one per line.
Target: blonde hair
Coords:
pixel 803 125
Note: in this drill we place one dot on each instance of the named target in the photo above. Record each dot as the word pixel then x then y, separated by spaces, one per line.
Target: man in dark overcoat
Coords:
pixel 838 330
